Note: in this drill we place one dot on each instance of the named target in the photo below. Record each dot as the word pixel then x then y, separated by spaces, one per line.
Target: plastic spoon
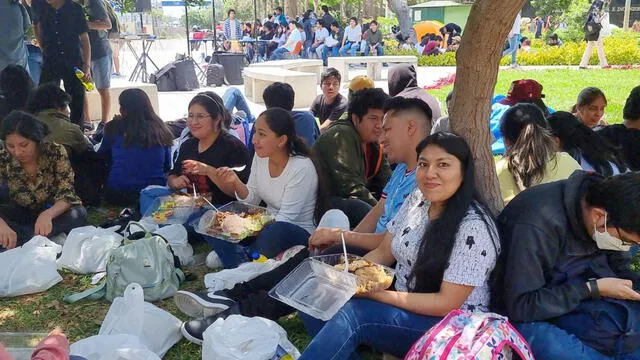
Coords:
pixel 344 250
pixel 210 204
pixel 238 168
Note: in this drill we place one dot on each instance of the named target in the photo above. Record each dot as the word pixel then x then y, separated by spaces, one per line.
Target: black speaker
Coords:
pixel 143 5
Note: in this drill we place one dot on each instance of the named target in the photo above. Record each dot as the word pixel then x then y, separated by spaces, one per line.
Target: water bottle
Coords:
pixel 88 85
pixel 281 354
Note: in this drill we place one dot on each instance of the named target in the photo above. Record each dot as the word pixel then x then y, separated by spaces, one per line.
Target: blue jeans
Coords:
pixel 549 342
pixel 35 63
pixel 271 241
pixel 233 98
pixel 278 54
pixel 512 49
pixel 379 50
pixel 325 53
pixel 349 46
pixel 362 321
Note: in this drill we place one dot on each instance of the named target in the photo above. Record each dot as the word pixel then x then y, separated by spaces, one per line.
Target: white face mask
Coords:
pixel 606 241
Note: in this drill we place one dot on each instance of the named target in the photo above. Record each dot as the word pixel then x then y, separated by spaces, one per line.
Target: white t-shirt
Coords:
pixel 473 256
pixel 291 196
pixel 294 38
pixel 321 34
pixel 353 34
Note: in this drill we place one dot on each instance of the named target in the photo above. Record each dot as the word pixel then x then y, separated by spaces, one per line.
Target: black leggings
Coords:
pixel 253 296
pixel 23 221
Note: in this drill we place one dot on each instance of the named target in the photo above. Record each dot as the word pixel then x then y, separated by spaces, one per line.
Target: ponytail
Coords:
pixel 527 158
pixel 531 147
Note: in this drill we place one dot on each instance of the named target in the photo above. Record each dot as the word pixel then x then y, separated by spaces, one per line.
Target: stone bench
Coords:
pixel 95 109
pixel 374 64
pixel 256 79
pixel 303 65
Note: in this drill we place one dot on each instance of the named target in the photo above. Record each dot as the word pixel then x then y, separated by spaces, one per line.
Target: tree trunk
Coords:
pixel 291 8
pixel 403 12
pixel 477 62
pixel 369 8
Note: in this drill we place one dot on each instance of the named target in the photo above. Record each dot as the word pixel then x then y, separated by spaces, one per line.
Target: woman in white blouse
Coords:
pixel 284 177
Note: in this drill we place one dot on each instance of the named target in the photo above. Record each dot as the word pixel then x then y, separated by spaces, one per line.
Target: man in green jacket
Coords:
pixel 351 158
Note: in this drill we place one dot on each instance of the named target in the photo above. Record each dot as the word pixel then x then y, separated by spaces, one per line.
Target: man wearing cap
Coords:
pixel 521 91
pixel 358 83
pixel 330 105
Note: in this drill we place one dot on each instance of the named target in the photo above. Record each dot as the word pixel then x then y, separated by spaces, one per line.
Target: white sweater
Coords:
pixel 291 196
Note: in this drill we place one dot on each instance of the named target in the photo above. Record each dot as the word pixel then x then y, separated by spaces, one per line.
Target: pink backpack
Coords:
pixel 470 336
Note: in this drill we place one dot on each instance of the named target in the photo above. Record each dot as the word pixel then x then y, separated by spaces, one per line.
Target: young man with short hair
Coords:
pixel 332 43
pixel 327 19
pixel 330 105
pixel 282 95
pixel 352 37
pixel 280 18
pixel 294 38
pixel 320 35
pixel 374 40
pixel 564 279
pixel 64 39
pixel 232 27
pixel 351 157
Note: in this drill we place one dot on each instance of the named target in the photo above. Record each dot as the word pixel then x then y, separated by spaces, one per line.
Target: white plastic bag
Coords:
pixel 87 249
pixel 177 237
pixel 131 315
pixel 228 278
pixel 238 337
pixel 605 31
pixel 112 347
pixel 30 268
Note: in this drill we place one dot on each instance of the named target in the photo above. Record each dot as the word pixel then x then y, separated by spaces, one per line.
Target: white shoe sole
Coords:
pixel 188 336
pixel 195 307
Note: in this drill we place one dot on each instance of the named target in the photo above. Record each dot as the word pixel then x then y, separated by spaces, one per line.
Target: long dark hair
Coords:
pixel 439 238
pixel 578 140
pixel 531 144
pixel 140 124
pixel 281 123
pixel 26 125
pixel 15 86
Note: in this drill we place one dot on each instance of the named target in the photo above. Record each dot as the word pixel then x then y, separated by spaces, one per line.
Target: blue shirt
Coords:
pixel 133 168
pixel 400 185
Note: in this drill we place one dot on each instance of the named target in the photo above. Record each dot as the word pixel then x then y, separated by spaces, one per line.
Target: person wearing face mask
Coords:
pixel 564 279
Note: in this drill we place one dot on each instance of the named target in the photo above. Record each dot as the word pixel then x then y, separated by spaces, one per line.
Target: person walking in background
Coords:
pixel 63 34
pixel 114 37
pixel 14 23
pixel 539 27
pixel 514 41
pixel 307 27
pixel 374 40
pixel 592 28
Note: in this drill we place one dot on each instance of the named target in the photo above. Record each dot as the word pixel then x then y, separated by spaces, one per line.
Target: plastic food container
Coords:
pixel 21 345
pixel 317 288
pixel 335 259
pixel 164 210
pixel 204 224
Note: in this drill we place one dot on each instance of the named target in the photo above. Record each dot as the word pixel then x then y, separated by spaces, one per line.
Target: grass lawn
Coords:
pixel 44 311
pixel 561 86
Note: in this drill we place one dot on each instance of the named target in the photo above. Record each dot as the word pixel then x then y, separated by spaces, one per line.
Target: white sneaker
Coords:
pixel 213 260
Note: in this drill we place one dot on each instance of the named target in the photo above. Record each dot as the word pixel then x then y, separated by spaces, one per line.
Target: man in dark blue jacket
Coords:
pixel 566 254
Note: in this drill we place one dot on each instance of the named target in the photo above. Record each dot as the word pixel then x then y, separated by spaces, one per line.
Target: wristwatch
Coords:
pixel 595 292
